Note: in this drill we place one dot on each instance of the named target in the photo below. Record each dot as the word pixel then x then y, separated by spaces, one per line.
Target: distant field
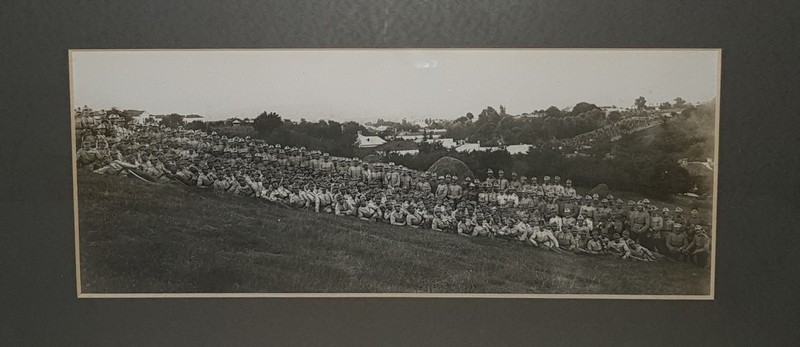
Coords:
pixel 137 237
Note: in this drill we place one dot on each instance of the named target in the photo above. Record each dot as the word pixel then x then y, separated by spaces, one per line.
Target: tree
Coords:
pixel 266 123
pixel 172 120
pixel 583 107
pixel 553 111
pixel 679 102
pixel 640 103
pixel 196 125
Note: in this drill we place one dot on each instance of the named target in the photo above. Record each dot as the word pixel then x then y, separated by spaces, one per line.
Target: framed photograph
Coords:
pixel 478 173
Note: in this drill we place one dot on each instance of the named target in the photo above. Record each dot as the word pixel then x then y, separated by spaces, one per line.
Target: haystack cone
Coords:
pixel 451 166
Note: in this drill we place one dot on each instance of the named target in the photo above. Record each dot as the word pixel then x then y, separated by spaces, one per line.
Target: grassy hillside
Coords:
pixel 147 238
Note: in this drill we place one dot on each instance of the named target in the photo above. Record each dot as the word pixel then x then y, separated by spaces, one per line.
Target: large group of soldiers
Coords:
pixel 547 215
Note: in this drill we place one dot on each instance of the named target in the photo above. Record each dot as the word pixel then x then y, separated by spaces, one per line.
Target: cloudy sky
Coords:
pixel 364 85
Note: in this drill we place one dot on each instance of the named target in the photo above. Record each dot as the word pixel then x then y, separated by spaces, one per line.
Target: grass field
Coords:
pixel 137 237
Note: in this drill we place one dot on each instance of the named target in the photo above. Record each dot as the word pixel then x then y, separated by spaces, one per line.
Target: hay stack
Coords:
pixel 451 166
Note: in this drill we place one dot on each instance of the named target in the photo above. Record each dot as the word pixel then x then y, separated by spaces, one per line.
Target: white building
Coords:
pixel 475 147
pixel 518 149
pixel 368 141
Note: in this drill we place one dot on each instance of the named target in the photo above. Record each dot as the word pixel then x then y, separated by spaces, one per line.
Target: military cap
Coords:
pixel 534 179
pixel 677 226
pixel 557 178
pixel 455 178
pixel 566 210
pixel 523 178
pixel 619 201
pixel 513 173
pixel 472 185
pixel 604 200
pixel 441 177
pixel 489 171
pixel 666 209
pixel 595 196
pixel 569 181
pixel 630 202
pixel 645 201
pixel 546 178
pixel 501 171
pixel 277 145
pixel 588 197
pixel 678 209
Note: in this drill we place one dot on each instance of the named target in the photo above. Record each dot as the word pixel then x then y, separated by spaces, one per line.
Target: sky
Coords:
pixel 392 84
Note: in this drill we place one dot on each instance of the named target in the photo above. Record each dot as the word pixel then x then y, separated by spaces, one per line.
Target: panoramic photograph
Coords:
pixel 574 173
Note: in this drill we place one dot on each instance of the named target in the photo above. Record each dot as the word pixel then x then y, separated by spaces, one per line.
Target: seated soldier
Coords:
pixel 523 230
pixel 570 240
pixel 438 223
pixel 583 230
pixel 295 200
pixel 341 208
pixel 639 252
pixel 324 201
pixel 481 227
pixel 413 218
pixel 595 246
pixel 465 226
pixel 397 216
pixel 619 247
pixel 568 220
pixel 543 238
pixel 699 249
pixel 365 211
pixel 387 208
pixel 676 242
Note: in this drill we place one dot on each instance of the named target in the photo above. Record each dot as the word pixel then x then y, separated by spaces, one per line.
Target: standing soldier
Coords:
pixel 472 194
pixel 569 191
pixel 454 191
pixel 326 165
pixel 640 222
pixel 695 219
pixel 376 175
pixel 515 183
pixel 558 189
pixel 483 194
pixel 442 189
pixel 546 186
pixel 679 218
pixel 424 185
pixel 603 213
pixel 502 181
pixel 356 172
pixel 405 180
pixel 490 178
pixel 525 186
pixel 393 177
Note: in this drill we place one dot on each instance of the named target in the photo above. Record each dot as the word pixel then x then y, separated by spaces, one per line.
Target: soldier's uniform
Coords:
pixel 442 189
pixel 502 181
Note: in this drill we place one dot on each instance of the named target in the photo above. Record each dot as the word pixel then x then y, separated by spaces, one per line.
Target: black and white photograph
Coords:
pixel 486 173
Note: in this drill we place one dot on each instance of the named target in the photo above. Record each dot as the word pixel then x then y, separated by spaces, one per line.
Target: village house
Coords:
pixel 368 141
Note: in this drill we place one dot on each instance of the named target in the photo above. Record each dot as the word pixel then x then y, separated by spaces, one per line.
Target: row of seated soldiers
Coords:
pixel 515 209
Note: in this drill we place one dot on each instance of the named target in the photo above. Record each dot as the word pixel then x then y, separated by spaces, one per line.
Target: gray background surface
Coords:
pixel 756 297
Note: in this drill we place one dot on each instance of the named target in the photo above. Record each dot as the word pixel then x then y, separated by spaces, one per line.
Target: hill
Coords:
pixel 148 238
